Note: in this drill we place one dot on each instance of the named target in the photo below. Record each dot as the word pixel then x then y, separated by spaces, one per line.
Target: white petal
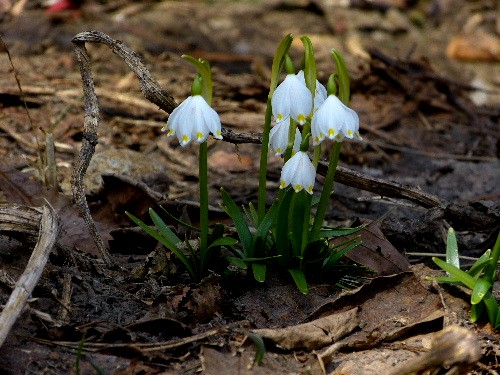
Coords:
pixel 280 101
pixel 299 172
pixel 278 137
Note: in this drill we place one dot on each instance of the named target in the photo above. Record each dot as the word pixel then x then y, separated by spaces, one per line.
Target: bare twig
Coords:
pixel 48 232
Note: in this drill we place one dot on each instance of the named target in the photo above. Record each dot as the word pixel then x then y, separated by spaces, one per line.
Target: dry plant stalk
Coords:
pixel 159 96
pixel 23 219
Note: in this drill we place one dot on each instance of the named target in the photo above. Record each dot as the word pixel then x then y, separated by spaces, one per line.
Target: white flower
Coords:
pixel 193 119
pixel 335 121
pixel 278 137
pixel 320 93
pixel 291 98
pixel 299 172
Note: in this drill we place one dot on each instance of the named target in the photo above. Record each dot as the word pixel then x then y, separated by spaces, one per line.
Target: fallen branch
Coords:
pixel 25 218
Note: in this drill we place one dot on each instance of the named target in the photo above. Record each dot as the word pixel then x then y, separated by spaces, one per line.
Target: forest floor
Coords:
pixel 426 85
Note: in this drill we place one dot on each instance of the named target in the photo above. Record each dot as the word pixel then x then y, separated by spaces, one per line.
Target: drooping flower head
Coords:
pixel 335 121
pixel 278 137
pixel 291 98
pixel 299 172
pixel 193 119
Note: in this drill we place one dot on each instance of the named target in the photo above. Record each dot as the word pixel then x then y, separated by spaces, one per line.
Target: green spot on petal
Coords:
pixel 331 132
pixel 185 138
pixel 298 188
pixel 283 184
pixel 199 135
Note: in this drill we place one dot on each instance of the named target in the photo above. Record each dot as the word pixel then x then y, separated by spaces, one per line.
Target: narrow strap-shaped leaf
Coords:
pixel 479 292
pixel 480 264
pixel 299 279
pixel 309 64
pixel 163 227
pixel 238 220
pixel 452 249
pixel 281 230
pixel 259 272
pixel 223 241
pixel 165 242
pixel 279 61
pixel 260 348
pixel 343 77
pixel 178 221
pixel 339 232
pixel 336 255
pixel 462 276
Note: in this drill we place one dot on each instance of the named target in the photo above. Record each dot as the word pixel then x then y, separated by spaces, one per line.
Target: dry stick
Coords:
pixel 149 87
pixel 157 95
pixel 48 232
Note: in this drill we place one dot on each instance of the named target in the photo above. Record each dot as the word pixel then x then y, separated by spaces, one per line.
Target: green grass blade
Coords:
pixel 480 290
pixel 452 249
pixel 279 61
pixel 339 232
pixel 480 264
pixel 223 241
pixel 462 276
pixel 165 242
pixel 163 228
pixel 180 222
pixel 260 348
pixel 239 222
pixel 281 230
pixel 336 255
pixel 299 279
pixel 259 272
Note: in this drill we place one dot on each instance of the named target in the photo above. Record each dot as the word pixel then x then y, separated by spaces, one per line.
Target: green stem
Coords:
pixel 261 203
pixel 305 225
pixel 326 192
pixel 203 180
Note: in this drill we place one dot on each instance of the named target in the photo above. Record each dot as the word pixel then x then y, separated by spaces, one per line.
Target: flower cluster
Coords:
pixel 330 119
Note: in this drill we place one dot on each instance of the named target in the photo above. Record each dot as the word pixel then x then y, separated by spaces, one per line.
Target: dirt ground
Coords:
pixel 426 85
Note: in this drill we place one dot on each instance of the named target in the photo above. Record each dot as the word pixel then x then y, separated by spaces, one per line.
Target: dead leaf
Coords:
pixel 20 188
pixel 377 253
pixel 313 335
pixel 389 307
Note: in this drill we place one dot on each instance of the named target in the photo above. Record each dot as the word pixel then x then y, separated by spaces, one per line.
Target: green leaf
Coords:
pixel 309 64
pixel 259 272
pixel 299 279
pixel 260 348
pixel 343 77
pixel 462 276
pixel 491 308
pixel 480 290
pixel 476 311
pixel 223 241
pixel 480 264
pixel 165 242
pixel 239 222
pixel 281 230
pixel 279 61
pixel 339 232
pixel 163 228
pixel 336 255
pixel 296 222
pixel 452 249
pixel 178 221
pixel 203 68
pixel 238 262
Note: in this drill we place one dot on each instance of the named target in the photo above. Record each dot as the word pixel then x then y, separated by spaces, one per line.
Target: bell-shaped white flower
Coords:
pixel 335 121
pixel 320 94
pixel 193 119
pixel 299 172
pixel 278 137
pixel 291 98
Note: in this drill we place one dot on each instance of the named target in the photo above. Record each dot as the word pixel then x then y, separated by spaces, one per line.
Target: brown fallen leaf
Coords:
pixel 313 335
pixel 377 253
pixel 20 188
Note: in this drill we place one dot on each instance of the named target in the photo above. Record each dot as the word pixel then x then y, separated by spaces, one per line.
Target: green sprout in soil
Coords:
pixel 479 278
pixel 290 234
